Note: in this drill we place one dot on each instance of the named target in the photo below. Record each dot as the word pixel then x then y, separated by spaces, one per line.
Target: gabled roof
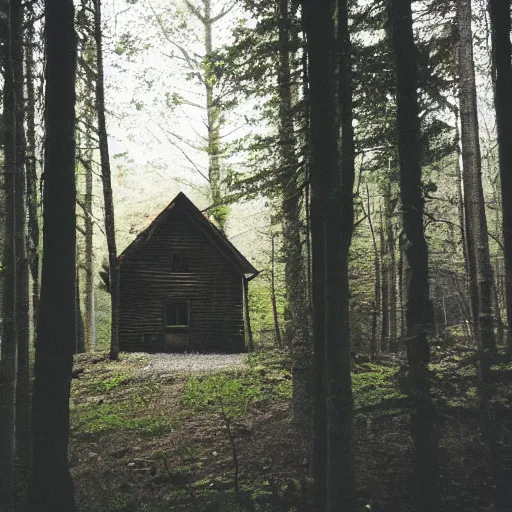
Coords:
pixel 182 204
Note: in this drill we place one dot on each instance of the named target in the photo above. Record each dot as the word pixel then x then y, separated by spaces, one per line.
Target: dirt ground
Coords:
pixel 146 451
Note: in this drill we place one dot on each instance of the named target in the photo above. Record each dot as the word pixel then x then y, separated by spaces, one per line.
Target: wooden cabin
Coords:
pixel 182 286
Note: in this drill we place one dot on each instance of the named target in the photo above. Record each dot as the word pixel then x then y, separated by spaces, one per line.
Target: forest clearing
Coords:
pixel 256 255
pixel 142 440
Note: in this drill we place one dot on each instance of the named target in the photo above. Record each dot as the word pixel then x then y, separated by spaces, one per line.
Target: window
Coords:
pixel 179 263
pixel 177 314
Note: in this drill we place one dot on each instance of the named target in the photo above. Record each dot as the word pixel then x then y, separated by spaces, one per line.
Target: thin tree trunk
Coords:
pixel 9 345
pixel 80 334
pixel 391 264
pixel 51 487
pixel 89 253
pixel 277 330
pixel 501 47
pixel 22 271
pixel 31 170
pixel 376 263
pixel 213 120
pixel 476 224
pixel 384 335
pixel 114 272
pixel 296 288
pixel 423 427
pixel 247 317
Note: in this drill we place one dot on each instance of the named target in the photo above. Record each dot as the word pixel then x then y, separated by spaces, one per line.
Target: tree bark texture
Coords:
pixel 502 50
pixel 249 340
pixel 389 206
pixel 31 168
pixel 277 329
pixel 384 335
pixel 480 268
pixel 331 228
pixel 297 319
pixel 51 487
pixel 22 270
pixel 423 428
pixel 376 264
pixel 9 346
pixel 110 230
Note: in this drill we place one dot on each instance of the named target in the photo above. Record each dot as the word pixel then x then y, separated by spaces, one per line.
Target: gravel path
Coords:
pixel 193 363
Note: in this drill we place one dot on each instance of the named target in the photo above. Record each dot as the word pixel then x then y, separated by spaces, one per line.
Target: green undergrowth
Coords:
pixel 375 384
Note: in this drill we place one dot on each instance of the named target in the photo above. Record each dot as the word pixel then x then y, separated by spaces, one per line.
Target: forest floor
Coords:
pixel 149 433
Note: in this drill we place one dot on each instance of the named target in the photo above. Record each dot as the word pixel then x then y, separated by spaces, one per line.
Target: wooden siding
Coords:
pixel 212 287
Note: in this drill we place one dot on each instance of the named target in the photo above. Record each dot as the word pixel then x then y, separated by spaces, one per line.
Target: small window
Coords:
pixel 179 263
pixel 177 314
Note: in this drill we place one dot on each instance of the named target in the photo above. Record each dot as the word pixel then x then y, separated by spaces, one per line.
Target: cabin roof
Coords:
pixel 181 204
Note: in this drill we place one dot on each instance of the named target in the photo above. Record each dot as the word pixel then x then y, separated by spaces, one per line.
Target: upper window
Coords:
pixel 177 314
pixel 179 263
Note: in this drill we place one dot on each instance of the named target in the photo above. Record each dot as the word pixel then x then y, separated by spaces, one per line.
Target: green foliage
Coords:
pixel 113 382
pixel 221 393
pixel 374 384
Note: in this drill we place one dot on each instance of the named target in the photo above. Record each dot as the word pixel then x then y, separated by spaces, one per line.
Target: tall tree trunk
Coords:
pixel 277 330
pixel 107 187
pixel 80 331
pixel 31 169
pixel 384 335
pixel 331 226
pixel 213 119
pixel 22 271
pixel 297 325
pixel 423 428
pixel 391 257
pixel 480 268
pixel 376 264
pixel 51 487
pixel 249 341
pixel 90 333
pixel 9 345
pixel 502 50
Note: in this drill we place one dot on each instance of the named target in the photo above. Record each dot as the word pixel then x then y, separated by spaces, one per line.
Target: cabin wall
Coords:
pixel 213 289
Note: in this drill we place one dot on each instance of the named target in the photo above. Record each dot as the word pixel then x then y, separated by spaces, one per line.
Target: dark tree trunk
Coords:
pixel 22 270
pixel 391 264
pixel 51 487
pixel 501 47
pixel 480 270
pixel 247 317
pixel 376 264
pixel 297 325
pixel 331 229
pixel 423 428
pixel 107 187
pixel 90 332
pixel 277 330
pixel 384 334
pixel 9 346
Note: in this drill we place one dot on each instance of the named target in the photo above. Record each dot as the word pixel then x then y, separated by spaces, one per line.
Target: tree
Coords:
pixel 425 461
pixel 479 264
pixel 31 164
pixel 502 51
pixel 9 347
pixel 331 228
pixel 22 271
pixel 114 274
pixel 51 487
